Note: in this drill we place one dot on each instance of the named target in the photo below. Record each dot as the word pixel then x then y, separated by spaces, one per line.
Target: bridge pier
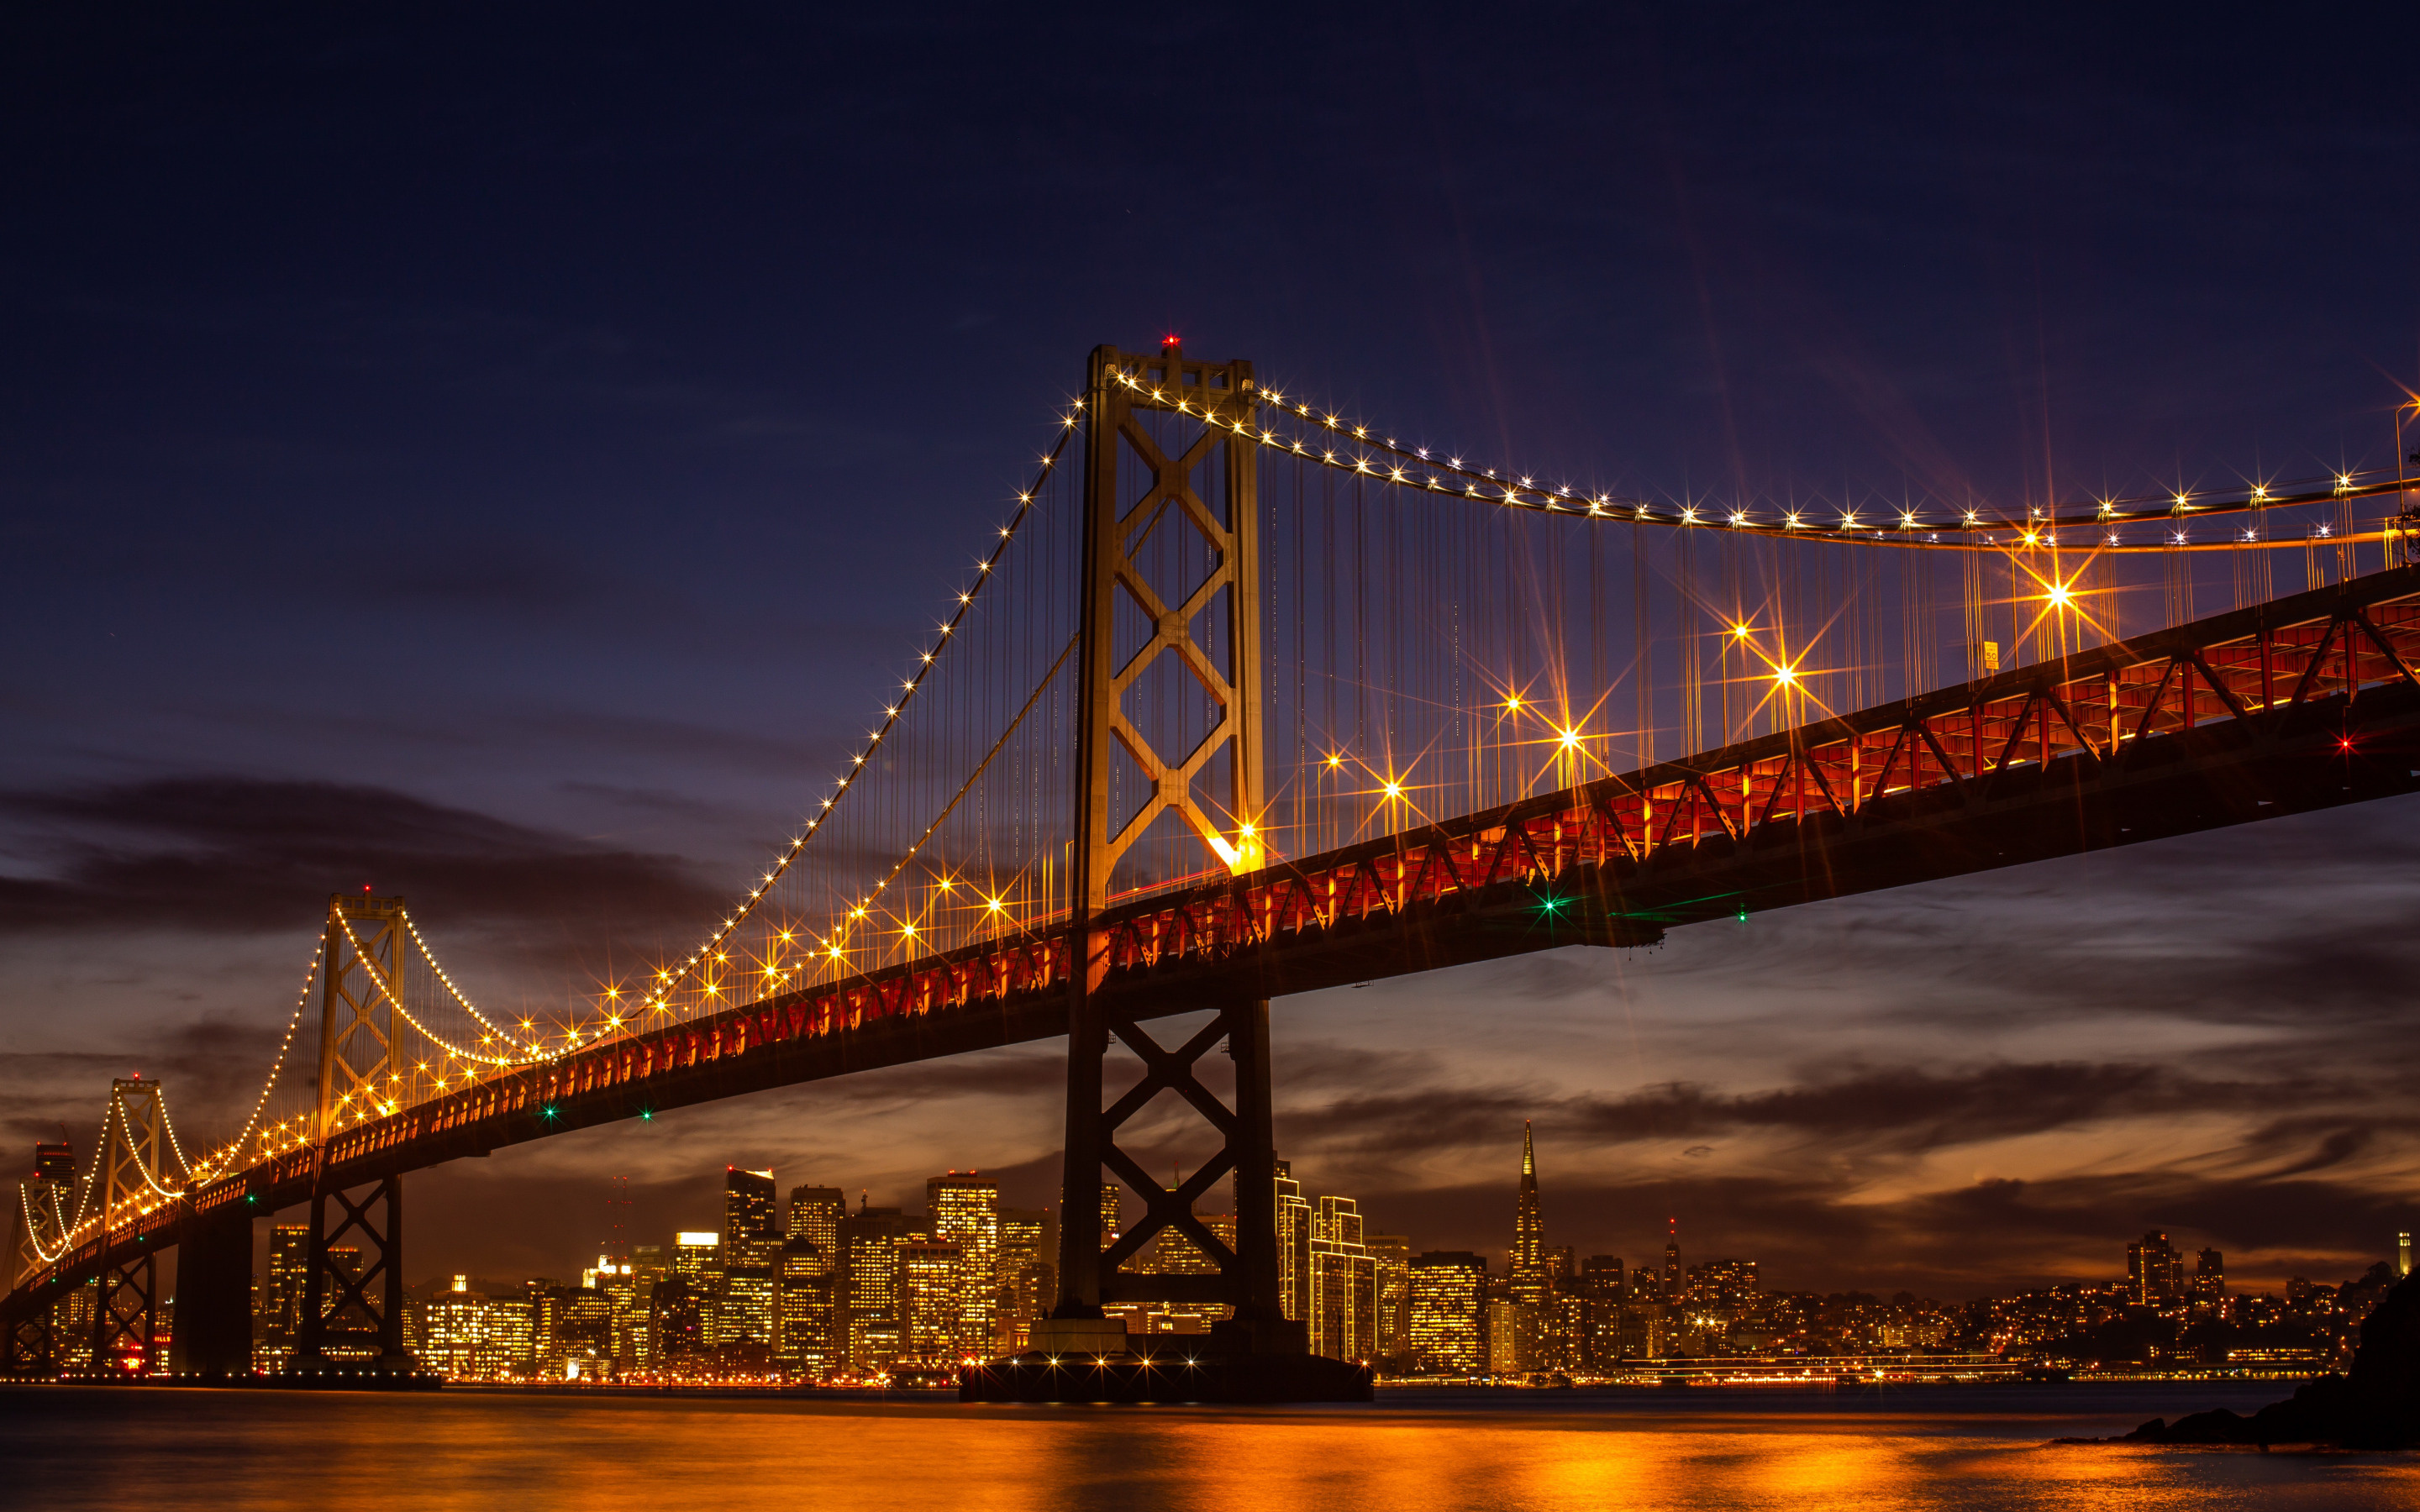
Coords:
pixel 353 1287
pixel 213 1335
pixel 126 1317
pixel 33 1345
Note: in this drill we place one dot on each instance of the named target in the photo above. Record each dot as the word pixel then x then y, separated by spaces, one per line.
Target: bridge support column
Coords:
pixel 213 1333
pixel 33 1345
pixel 125 1318
pixel 352 1289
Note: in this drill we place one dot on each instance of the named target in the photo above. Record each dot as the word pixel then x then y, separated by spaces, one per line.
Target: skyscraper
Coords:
pixel 816 1213
pixel 1343 1311
pixel 2155 1272
pixel 1446 1290
pixel 1293 1245
pixel 1391 1254
pixel 279 1325
pixel 804 1284
pixel 2208 1281
pixel 750 1235
pixel 965 1210
pixel 1531 1278
pixel 864 1296
pixel 1598 1345
pixel 931 1279
pixel 696 1303
pixel 1029 1274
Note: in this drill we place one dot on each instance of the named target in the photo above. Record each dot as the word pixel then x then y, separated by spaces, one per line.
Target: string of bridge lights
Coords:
pixel 234 1147
pixel 1417 466
pixel 395 1001
pixel 993 907
pixel 669 981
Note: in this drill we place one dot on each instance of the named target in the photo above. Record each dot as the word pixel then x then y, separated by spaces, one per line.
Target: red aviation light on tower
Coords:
pixel 1172 340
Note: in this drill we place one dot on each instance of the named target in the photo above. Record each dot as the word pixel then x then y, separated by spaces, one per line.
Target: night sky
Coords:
pixel 494 458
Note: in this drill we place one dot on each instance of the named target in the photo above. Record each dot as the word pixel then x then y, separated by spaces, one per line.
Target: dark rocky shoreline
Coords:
pixel 2376 1405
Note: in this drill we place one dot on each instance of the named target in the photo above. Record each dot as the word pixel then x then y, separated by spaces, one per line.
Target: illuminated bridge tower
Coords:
pixel 1203 631
pixel 353 1313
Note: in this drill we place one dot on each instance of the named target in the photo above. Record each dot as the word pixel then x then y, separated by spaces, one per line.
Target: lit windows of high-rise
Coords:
pixel 965 1210
pixel 1293 1245
pixel 2155 1272
pixel 1343 1314
pixel 278 1325
pixel 1029 1274
pixel 805 1345
pixel 816 1213
pixel 1531 1279
pixel 1446 1287
pixel 932 1321
pixel 744 1322
pixel 1391 1256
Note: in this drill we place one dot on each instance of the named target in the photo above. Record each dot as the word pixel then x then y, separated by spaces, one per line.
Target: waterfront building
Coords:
pixel 634 1331
pixel 573 1328
pixel 1443 1327
pixel 1531 1279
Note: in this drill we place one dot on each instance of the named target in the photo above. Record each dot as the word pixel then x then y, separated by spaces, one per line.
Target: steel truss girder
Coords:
pixel 359 1310
pixel 125 1314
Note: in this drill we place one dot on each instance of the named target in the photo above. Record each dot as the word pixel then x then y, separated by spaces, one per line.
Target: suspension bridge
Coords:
pixel 1247 698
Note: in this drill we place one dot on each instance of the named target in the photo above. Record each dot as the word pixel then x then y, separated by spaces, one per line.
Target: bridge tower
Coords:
pixel 137 1169
pixel 352 1290
pixel 1131 625
pixel 44 1200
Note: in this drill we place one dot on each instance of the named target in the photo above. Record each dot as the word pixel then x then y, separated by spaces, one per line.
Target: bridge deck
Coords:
pixel 2303 703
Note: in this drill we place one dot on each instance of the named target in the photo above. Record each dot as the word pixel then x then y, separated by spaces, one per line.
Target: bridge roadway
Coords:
pixel 2303 703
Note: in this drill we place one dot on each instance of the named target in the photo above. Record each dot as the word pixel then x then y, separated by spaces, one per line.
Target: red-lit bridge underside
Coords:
pixel 2306 702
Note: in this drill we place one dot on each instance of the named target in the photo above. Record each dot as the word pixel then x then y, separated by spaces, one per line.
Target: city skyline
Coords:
pixel 811 1288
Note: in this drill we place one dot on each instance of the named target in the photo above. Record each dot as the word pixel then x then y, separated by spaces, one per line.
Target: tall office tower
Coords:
pixel 54 1163
pixel 865 1291
pixel 634 1335
pixel 1390 1256
pixel 1600 1288
pixel 2210 1282
pixel 1671 1283
pixel 2154 1271
pixel 1293 1245
pixel 1531 1281
pixel 1111 1197
pixel 816 1213
pixel 1029 1274
pixel 678 1323
pixel 931 1280
pixel 697 1265
pixel 2403 1255
pixel 804 1346
pixel 1343 1311
pixel 279 1325
pixel 1446 1289
pixel 965 1210
pixel 750 1235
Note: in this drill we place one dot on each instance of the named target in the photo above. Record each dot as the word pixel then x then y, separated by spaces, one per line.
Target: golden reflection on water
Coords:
pixel 168 1450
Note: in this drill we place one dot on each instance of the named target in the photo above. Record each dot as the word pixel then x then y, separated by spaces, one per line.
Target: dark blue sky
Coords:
pixel 484 454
